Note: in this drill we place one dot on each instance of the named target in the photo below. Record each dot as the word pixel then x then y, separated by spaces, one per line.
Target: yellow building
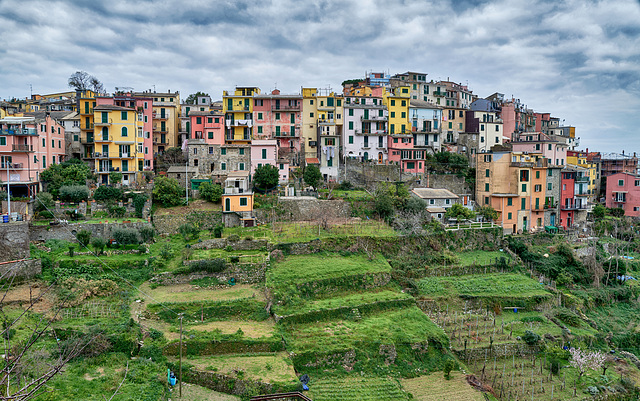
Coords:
pixel 579 159
pixel 397 102
pixel 117 143
pixel 86 101
pixel 322 124
pixel 238 111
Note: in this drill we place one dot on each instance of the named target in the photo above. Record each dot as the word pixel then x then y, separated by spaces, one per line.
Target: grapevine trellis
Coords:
pixel 93 310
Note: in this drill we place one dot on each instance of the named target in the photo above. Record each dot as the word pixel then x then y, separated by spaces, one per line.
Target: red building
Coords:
pixel 401 151
pixel 207 126
pixel 573 196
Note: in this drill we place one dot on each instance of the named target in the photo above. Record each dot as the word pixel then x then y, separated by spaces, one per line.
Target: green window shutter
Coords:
pixel 264 153
pixel 350 124
pixel 350 139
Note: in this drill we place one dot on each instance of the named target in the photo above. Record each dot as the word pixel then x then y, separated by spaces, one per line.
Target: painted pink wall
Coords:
pixel 632 193
pixel 508 116
pixel 269 122
pixel 256 153
pixel 208 124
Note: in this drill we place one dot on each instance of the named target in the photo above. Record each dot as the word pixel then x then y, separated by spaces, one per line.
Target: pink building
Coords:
pixel 278 117
pixel 623 190
pixel 207 126
pixel 536 142
pixel 28 145
pixel 401 151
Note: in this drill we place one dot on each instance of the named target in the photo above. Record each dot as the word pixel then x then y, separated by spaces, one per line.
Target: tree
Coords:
pixel 74 193
pixel 171 157
pixel 81 80
pixel 115 177
pixel 107 194
pixel 167 191
pixel 585 360
pixel 599 211
pixel 72 172
pixel 616 212
pixel 210 192
pixel 192 98
pixel 449 365
pixel 383 202
pixel 459 212
pixel 83 237
pixel 266 177
pixel 312 176
pixel 488 213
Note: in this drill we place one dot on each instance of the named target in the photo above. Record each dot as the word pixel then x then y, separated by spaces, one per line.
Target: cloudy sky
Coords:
pixel 578 60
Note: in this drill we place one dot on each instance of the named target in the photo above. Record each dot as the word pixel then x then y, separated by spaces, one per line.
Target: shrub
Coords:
pixel 449 365
pixel 146 234
pixel 83 237
pixel 210 266
pixel 117 211
pixel 530 337
pixel 266 177
pixel 126 236
pixel 189 230
pixel 45 214
pixel 217 231
pixel 234 238
pixel 167 191
pixel 74 193
pixel 98 244
pixel 138 203
pixel 107 194
pixel 71 249
pixel 44 202
pixel 165 252
pixel 210 192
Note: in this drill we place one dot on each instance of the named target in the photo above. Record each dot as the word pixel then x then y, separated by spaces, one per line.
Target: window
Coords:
pixel 311 115
pixel 538 174
pixel 497 128
pixel 637 183
pixel 411 166
pixel 259 116
pixel 241 167
pixel 217 120
pixel 621 183
pixel 550 173
pixel 447 201
pixel 509 216
pixel 524 187
pixel 53 144
pixel 549 146
pixel 460 126
pixel 350 139
pixel 241 151
pixel 351 125
pixel 210 150
pixel 195 151
pixel 538 188
pixel 393 114
pixel 330 163
pixel 403 115
pixel 524 175
pixel 3 140
pixel 277 116
pixel 146 105
pixel 564 187
pixel 486 187
pixel 210 135
pixel 509 201
pixel 393 102
pixel 432 201
pixel 123 115
pixel 549 186
pixel 481 127
pixel 351 112
pixel 198 120
pixel 243 201
pixel 259 129
pixel 486 200
pixel 486 172
pixel 223 166
pixel 124 131
pixel 523 203
pixel 264 153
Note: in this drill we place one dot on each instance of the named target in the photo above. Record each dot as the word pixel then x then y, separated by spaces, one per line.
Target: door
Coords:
pixel 380 157
pixel 227 205
pixel 552 219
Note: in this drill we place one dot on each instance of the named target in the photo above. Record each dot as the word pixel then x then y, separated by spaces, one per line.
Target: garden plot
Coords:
pixel 250 329
pixel 193 392
pixel 190 293
pixel 435 388
pixel 275 368
pixel 356 389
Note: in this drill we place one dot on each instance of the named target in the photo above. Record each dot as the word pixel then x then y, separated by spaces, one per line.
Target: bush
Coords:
pixel 83 237
pixel 138 203
pixel 210 266
pixel 210 192
pixel 189 230
pixel 146 234
pixel 449 365
pixel 167 191
pixel 217 231
pixel 74 193
pixel 107 194
pixel 126 236
pixel 71 249
pixel 530 337
pixel 117 211
pixel 98 244
pixel 44 202
pixel 266 177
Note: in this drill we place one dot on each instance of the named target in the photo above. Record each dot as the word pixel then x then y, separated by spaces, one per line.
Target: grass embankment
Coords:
pixel 488 285
pixel 275 368
pixel 435 388
pixel 357 389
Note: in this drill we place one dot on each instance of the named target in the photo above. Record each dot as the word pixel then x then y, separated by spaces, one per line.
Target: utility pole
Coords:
pixel 186 178
pixel 180 363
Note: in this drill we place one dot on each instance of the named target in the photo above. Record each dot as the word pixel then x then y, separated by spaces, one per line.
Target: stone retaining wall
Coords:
pixel 67 232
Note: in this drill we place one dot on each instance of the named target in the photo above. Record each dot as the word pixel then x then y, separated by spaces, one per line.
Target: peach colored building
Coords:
pixel 278 117
pixel 207 126
pixel 623 191
pixel 28 145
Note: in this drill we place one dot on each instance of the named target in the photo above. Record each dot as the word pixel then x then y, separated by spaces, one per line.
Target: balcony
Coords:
pixel 239 123
pixel 328 121
pixel 160 142
pixel 160 129
pixel 238 109
pixel 326 108
pixel 436 93
pixel 582 180
pixel 86 141
pixel 295 134
pixel 235 191
pixel 285 107
pixel 573 206
pixel 19 132
pixel 86 126
pixel 520 164
pixel 160 116
pixel 103 138
pixel 370 132
pixel 233 138
pixel 87 111
pixel 103 123
pixel 22 148
pixel 373 118
pixel 99 155
pixel 14 166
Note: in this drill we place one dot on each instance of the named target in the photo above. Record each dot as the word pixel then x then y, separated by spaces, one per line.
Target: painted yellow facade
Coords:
pixel 238 111
pixel 397 103
pixel 165 119
pixel 86 102
pixel 322 118
pixel 117 143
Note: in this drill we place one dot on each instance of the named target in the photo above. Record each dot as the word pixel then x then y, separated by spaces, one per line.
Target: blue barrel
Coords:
pixel 5 218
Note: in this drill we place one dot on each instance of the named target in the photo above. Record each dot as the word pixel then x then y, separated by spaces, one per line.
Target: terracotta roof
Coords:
pixel 112 107
pixel 312 160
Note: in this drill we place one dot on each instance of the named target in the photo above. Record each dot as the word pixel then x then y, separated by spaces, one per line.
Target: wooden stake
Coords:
pixel 180 373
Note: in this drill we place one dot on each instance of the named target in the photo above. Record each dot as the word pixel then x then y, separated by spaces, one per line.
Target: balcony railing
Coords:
pixel 373 118
pixel 160 129
pixel 160 142
pixel 101 138
pixel 370 132
pixel 13 166
pixel 233 138
pixel 436 93
pixel 293 134
pixel 239 123
pixel 19 132
pixel 22 148
pixel 106 122
pixel 86 126
pixel 87 111
pixel 573 206
pixel 285 107
pixel 160 116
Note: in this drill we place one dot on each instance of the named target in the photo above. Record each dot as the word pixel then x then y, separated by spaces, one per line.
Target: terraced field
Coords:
pixel 357 389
